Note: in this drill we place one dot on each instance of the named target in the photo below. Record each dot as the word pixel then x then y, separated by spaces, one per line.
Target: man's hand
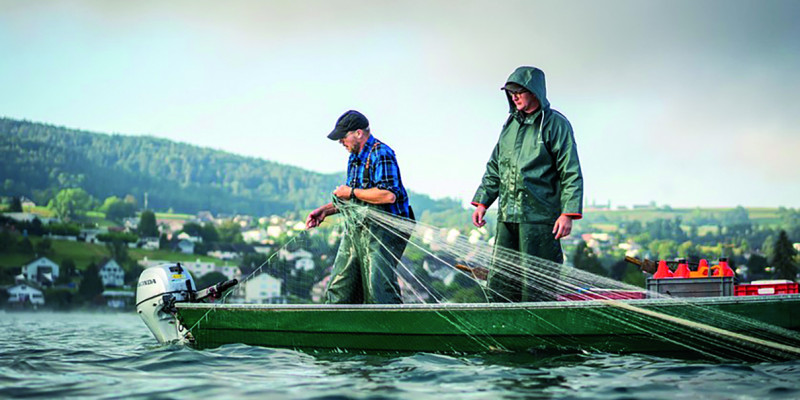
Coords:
pixel 563 227
pixel 342 192
pixel 477 216
pixel 315 218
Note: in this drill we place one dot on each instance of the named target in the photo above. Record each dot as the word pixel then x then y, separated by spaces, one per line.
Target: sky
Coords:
pixel 684 103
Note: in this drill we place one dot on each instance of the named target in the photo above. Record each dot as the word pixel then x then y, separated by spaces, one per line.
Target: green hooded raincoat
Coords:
pixel 534 167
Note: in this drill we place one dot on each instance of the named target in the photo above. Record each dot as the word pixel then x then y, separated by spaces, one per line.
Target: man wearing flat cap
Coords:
pixel 364 270
pixel 535 172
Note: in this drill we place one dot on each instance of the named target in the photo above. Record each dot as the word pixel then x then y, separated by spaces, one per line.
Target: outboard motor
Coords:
pixel 160 288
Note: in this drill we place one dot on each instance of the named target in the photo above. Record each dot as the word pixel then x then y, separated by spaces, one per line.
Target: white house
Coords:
pixel 42 270
pixel 262 249
pixel 22 294
pixel 186 247
pixel 223 255
pixel 264 289
pixel 21 216
pixel 254 236
pixel 170 225
pixel 302 259
pixel 199 268
pixel 305 264
pixel 112 274
pixel 205 216
pixel 274 230
pixel 150 243
pixel 230 271
pixel 193 239
pixel 26 202
pixel 131 223
pixel 89 235
pixel 243 220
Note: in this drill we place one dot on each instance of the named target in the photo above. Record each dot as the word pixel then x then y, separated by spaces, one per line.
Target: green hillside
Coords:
pixel 40 159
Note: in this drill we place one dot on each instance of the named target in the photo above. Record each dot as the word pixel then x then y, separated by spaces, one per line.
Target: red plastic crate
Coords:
pixel 601 294
pixel 765 288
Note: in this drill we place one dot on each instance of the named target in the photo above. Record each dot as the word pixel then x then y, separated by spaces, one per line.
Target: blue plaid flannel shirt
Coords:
pixel 383 174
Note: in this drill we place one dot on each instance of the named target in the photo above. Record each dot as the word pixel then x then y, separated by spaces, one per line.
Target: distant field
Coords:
pixel 43 211
pixel 707 229
pixel 765 216
pixel 83 253
pixel 139 254
pixel 173 216
pixel 14 260
pixel 99 219
pixel 94 215
pixel 761 216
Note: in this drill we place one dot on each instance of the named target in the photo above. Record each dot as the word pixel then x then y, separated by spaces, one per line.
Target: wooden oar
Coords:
pixel 651 266
pixel 646 265
pixel 478 273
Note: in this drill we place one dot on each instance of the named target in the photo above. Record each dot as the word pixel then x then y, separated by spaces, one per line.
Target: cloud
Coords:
pixel 663 95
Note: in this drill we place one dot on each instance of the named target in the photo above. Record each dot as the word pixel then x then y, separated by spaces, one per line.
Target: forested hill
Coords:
pixel 40 159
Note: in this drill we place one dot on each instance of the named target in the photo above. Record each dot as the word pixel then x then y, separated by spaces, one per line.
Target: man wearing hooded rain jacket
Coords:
pixel 534 170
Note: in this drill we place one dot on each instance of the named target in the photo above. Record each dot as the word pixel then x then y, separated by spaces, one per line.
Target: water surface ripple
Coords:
pixel 57 355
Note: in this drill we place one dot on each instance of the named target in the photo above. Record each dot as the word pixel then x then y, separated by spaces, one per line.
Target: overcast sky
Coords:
pixel 684 103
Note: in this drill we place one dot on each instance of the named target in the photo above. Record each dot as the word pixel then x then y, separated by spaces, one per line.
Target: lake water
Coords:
pixel 57 355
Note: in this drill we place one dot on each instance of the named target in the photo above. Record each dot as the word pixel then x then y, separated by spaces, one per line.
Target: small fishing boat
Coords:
pixel 166 301
pixel 545 326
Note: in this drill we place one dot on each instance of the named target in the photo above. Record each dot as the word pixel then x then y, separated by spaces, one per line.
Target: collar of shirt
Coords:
pixel 361 157
pixel 527 119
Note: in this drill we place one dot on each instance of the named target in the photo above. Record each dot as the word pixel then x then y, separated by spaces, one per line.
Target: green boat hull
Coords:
pixel 642 326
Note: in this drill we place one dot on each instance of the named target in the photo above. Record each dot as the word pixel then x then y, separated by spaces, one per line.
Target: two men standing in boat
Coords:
pixel 534 170
pixel 364 268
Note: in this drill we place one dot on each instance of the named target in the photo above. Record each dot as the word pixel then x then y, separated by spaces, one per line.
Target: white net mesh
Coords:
pixel 450 269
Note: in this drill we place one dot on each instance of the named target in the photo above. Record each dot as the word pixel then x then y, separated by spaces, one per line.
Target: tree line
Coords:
pixel 766 250
pixel 40 160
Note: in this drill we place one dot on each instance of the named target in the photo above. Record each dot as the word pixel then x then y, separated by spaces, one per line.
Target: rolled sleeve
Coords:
pixel 386 175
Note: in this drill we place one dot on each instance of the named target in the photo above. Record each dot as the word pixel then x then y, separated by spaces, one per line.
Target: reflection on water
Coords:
pixel 107 355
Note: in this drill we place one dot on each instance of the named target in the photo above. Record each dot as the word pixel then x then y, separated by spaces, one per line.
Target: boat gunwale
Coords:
pixel 699 301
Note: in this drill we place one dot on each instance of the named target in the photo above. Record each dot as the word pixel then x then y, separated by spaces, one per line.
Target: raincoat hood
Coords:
pixel 534 168
pixel 530 78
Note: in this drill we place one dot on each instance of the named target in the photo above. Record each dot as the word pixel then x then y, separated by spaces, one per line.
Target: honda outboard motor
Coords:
pixel 160 288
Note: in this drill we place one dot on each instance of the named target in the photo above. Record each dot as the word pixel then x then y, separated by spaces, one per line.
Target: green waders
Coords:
pixel 533 239
pixel 364 270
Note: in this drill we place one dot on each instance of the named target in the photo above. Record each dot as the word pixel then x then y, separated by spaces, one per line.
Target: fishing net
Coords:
pixel 438 266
